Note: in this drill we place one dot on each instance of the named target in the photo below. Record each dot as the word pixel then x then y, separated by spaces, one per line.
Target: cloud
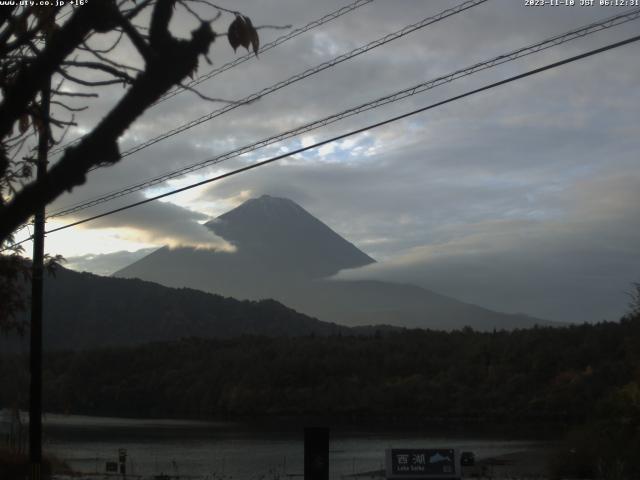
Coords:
pixel 161 224
pixel 422 55
pixel 107 263
pixel 487 184
pixel 574 268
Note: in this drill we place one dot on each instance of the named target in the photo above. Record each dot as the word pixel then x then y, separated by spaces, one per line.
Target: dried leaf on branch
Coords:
pixel 243 33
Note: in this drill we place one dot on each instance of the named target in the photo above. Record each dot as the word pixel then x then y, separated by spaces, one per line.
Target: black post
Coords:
pixel 35 397
pixel 122 459
pixel 316 453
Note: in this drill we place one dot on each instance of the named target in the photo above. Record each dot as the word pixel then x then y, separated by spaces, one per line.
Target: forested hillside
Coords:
pixel 82 311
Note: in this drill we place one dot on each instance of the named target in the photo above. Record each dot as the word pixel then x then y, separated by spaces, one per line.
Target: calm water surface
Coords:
pixel 231 450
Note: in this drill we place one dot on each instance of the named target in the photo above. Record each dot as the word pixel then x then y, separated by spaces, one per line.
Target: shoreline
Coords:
pixel 527 464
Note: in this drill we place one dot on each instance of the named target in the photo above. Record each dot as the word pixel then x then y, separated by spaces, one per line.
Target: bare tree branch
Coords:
pixel 68 108
pixel 109 61
pixel 88 83
pixel 74 94
pixel 30 79
pixel 135 37
pixel 106 50
pixel 100 146
pixel 100 66
pixel 209 99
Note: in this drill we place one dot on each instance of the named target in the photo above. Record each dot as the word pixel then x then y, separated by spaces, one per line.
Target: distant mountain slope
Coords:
pixel 285 253
pixel 82 310
pixel 368 302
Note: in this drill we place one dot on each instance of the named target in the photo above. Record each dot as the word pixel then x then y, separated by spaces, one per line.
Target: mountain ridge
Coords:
pixel 84 311
pixel 284 252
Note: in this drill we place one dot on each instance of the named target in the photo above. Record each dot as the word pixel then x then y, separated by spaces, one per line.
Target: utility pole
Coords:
pixel 35 357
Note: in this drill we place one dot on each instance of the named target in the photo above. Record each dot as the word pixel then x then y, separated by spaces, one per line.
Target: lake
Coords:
pixel 225 450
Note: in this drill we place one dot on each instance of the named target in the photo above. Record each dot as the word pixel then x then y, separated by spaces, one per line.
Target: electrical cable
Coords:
pixel 234 63
pixel 266 47
pixel 469 93
pixel 305 74
pixel 401 94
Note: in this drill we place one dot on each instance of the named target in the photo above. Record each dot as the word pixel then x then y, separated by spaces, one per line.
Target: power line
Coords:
pixel 307 73
pixel 234 63
pixel 401 94
pixel 268 46
pixel 348 134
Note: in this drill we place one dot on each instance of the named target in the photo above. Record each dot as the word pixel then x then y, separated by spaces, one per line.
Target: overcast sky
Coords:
pixel 521 199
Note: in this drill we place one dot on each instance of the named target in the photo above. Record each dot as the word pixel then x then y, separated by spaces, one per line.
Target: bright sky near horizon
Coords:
pixel 521 199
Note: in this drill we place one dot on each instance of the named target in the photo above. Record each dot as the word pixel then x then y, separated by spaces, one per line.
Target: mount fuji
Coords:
pixel 285 253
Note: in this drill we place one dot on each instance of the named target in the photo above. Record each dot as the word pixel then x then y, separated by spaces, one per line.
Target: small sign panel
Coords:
pixel 418 463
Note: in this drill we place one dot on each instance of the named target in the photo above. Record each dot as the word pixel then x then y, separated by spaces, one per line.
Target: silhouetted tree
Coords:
pixel 72 47
pixel 634 304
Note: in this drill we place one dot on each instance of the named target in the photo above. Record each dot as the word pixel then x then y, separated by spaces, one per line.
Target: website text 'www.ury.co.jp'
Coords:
pixel 42 3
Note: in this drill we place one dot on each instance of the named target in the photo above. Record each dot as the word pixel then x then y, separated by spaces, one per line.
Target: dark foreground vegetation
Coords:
pixel 553 374
pixel 585 377
pixel 14 465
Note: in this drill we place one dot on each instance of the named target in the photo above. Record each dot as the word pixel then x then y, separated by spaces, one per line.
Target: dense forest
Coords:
pixel 582 380
pixel 552 374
